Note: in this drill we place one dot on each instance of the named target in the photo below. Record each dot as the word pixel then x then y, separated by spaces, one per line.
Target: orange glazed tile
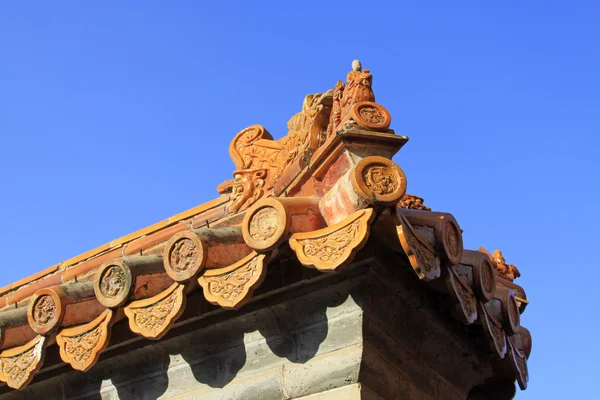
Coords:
pixel 30 278
pixel 210 215
pixel 169 221
pixel 154 238
pixel 146 231
pixel 85 256
pixel 90 264
pixel 199 209
pixel 290 175
pixel 25 292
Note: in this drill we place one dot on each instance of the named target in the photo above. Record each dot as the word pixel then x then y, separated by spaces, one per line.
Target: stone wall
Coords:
pixel 368 333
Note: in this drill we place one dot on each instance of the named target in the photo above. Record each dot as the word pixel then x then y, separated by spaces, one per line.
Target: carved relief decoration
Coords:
pixel 378 180
pixel 509 309
pixel 336 110
pixel 484 279
pixel 513 313
pixel 358 87
pixel 488 282
pixel 246 187
pixel 463 294
pixel 413 202
pixel 183 255
pixel 420 254
pixel 44 310
pixel 154 316
pixel 264 224
pixel 232 286
pixel 370 116
pixel 354 103
pixel 112 282
pixel 82 345
pixel 260 161
pixel 381 179
pixel 19 365
pixel 506 271
pixel 518 364
pixel 453 241
pixel 330 248
pixel 493 332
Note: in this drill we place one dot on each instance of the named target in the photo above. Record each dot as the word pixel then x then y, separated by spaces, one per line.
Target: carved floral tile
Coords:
pixel 154 316
pixel 330 248
pixel 232 286
pixel 82 345
pixel 19 365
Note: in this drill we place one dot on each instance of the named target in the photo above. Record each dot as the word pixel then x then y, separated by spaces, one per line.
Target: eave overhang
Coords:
pixel 313 198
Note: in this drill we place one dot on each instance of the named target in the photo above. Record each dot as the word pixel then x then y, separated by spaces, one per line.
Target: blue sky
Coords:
pixel 114 116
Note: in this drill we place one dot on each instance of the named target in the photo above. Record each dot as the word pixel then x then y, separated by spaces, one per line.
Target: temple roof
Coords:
pixel 316 195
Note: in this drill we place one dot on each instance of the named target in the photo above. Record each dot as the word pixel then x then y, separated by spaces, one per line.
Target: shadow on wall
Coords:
pixel 292 330
pixel 126 377
pixel 301 325
pixel 213 355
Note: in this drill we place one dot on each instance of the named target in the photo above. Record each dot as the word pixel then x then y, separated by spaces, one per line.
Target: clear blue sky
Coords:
pixel 114 116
